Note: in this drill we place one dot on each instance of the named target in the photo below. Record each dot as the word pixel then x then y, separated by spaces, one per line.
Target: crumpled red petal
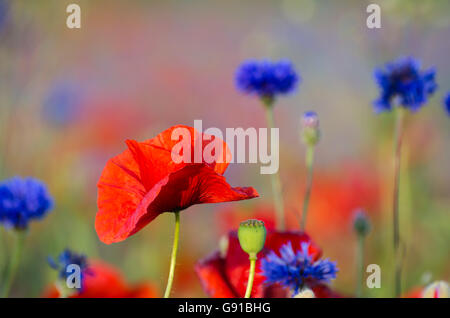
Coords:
pixel 211 272
pixel 323 291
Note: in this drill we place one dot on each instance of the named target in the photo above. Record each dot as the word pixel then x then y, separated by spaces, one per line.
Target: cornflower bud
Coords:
pixel 310 132
pixel 361 223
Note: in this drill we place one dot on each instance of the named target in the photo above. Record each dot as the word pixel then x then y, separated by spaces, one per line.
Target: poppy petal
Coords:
pixel 323 291
pixel 120 193
pixel 212 276
pixel 165 141
pixel 193 184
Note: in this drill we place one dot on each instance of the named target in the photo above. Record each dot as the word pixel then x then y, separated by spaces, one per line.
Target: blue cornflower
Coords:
pixel 23 200
pixel 447 103
pixel 4 8
pixel 296 269
pixel 403 80
pixel 66 258
pixel 62 104
pixel 266 78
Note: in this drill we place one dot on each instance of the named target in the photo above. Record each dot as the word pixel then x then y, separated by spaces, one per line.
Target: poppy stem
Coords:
pixel 251 277
pixel 61 289
pixel 14 261
pixel 395 208
pixel 309 166
pixel 275 177
pixel 360 265
pixel 173 258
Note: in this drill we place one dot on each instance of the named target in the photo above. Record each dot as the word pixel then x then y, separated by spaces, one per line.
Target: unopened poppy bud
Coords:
pixel 305 293
pixel 252 236
pixel 361 223
pixel 439 289
pixel 310 128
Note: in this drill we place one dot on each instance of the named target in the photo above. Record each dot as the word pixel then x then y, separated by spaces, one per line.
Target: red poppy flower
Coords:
pixel 143 182
pixel 224 274
pixel 104 281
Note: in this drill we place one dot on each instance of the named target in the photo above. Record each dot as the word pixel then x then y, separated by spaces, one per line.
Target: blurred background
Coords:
pixel 70 98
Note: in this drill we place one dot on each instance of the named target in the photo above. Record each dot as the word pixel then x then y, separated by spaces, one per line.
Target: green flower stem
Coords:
pixel 309 166
pixel 395 208
pixel 360 265
pixel 14 261
pixel 251 277
pixel 275 177
pixel 173 258
pixel 61 289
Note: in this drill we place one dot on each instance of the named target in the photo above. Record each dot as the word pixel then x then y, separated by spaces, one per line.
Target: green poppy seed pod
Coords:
pixel 310 132
pixel 305 293
pixel 252 236
pixel 361 223
pixel 439 289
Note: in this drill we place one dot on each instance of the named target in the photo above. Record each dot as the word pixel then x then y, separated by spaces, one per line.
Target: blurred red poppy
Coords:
pixel 230 217
pixel 143 182
pixel 334 198
pixel 224 274
pixel 104 281
pixel 414 293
